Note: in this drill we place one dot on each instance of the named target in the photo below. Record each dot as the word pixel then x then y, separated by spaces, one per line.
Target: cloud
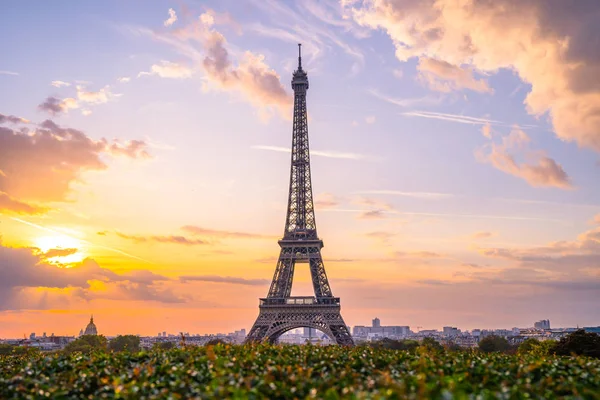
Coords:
pixel 11 205
pixel 372 214
pixel 215 233
pixel 597 219
pixel 486 130
pixel 375 203
pixel 370 119
pixel 172 239
pixel 55 106
pixel 326 200
pixel 539 171
pixel 167 69
pixel 4 72
pixel 418 195
pixel 41 164
pixel 296 25
pixel 24 274
pixel 482 235
pixel 463 119
pixel 172 18
pixel 99 97
pixel 131 149
pixel 416 254
pixel 406 102
pixel 12 119
pixel 442 76
pixel 321 153
pixel 59 84
pixel 549 45
pixel 58 253
pixel 382 237
pixel 558 259
pixel 124 79
pixel 224 279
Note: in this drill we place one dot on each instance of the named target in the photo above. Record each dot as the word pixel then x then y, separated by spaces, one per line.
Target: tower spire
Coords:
pixel 300 56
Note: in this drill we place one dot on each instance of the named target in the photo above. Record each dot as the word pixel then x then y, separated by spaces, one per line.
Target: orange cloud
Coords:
pixel 196 230
pixel 540 171
pixel 250 76
pixel 173 239
pixel 445 77
pixel 482 235
pixel 41 164
pixel 167 69
pixel 55 106
pixel 326 200
pixel 549 45
pixel 9 204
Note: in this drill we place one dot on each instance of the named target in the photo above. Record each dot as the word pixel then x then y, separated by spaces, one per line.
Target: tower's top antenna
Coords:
pixel 300 56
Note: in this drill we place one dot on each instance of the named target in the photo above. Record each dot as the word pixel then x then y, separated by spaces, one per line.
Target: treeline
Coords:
pixel 580 343
pixel 90 343
pixel 577 343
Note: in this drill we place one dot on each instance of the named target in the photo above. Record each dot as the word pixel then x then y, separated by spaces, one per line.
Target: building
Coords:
pixel 376 330
pixel 451 331
pixel 91 328
pixel 543 324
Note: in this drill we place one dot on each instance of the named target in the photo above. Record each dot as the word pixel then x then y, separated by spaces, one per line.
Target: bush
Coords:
pixel 494 344
pixel 86 344
pixel 385 343
pixel 125 343
pixel 284 372
pixel 579 343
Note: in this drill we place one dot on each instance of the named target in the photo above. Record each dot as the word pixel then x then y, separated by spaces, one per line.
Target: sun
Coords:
pixel 61 249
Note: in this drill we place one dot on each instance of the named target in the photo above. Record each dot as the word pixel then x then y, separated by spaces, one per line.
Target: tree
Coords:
pixel 125 343
pixel 214 342
pixel 430 344
pixel 86 344
pixel 163 346
pixel 580 343
pixel 493 343
pixel 535 347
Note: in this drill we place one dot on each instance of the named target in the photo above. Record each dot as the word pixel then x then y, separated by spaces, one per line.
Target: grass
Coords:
pixel 265 371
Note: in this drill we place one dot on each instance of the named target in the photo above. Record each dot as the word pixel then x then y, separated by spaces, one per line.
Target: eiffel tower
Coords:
pixel 279 312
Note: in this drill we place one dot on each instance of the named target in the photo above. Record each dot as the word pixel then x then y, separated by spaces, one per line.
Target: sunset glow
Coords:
pixel 145 161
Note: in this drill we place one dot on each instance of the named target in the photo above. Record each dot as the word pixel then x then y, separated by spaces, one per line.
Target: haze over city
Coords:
pixel 144 161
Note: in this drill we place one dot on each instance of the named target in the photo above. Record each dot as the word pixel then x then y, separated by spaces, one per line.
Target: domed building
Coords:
pixel 91 328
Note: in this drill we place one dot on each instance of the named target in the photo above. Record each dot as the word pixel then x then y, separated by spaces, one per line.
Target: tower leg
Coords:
pixel 273 321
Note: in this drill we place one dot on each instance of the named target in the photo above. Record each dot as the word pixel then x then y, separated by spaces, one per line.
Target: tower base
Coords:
pixel 277 316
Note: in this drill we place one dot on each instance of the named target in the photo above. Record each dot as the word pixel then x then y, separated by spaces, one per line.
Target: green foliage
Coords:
pixel 281 372
pixel 86 344
pixel 6 349
pixel 579 342
pixel 214 342
pixel 535 347
pixel 494 344
pixel 385 343
pixel 161 346
pixel 125 343
pixel 431 345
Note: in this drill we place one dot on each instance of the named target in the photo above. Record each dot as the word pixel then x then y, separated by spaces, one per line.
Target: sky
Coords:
pixel 144 161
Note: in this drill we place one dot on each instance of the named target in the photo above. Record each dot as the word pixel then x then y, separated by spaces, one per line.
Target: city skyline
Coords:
pixel 144 168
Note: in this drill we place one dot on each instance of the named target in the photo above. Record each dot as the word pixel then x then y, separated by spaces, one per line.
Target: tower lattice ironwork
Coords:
pixel 279 311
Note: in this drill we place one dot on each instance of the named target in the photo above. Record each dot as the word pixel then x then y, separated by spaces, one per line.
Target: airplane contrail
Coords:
pixel 43 228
